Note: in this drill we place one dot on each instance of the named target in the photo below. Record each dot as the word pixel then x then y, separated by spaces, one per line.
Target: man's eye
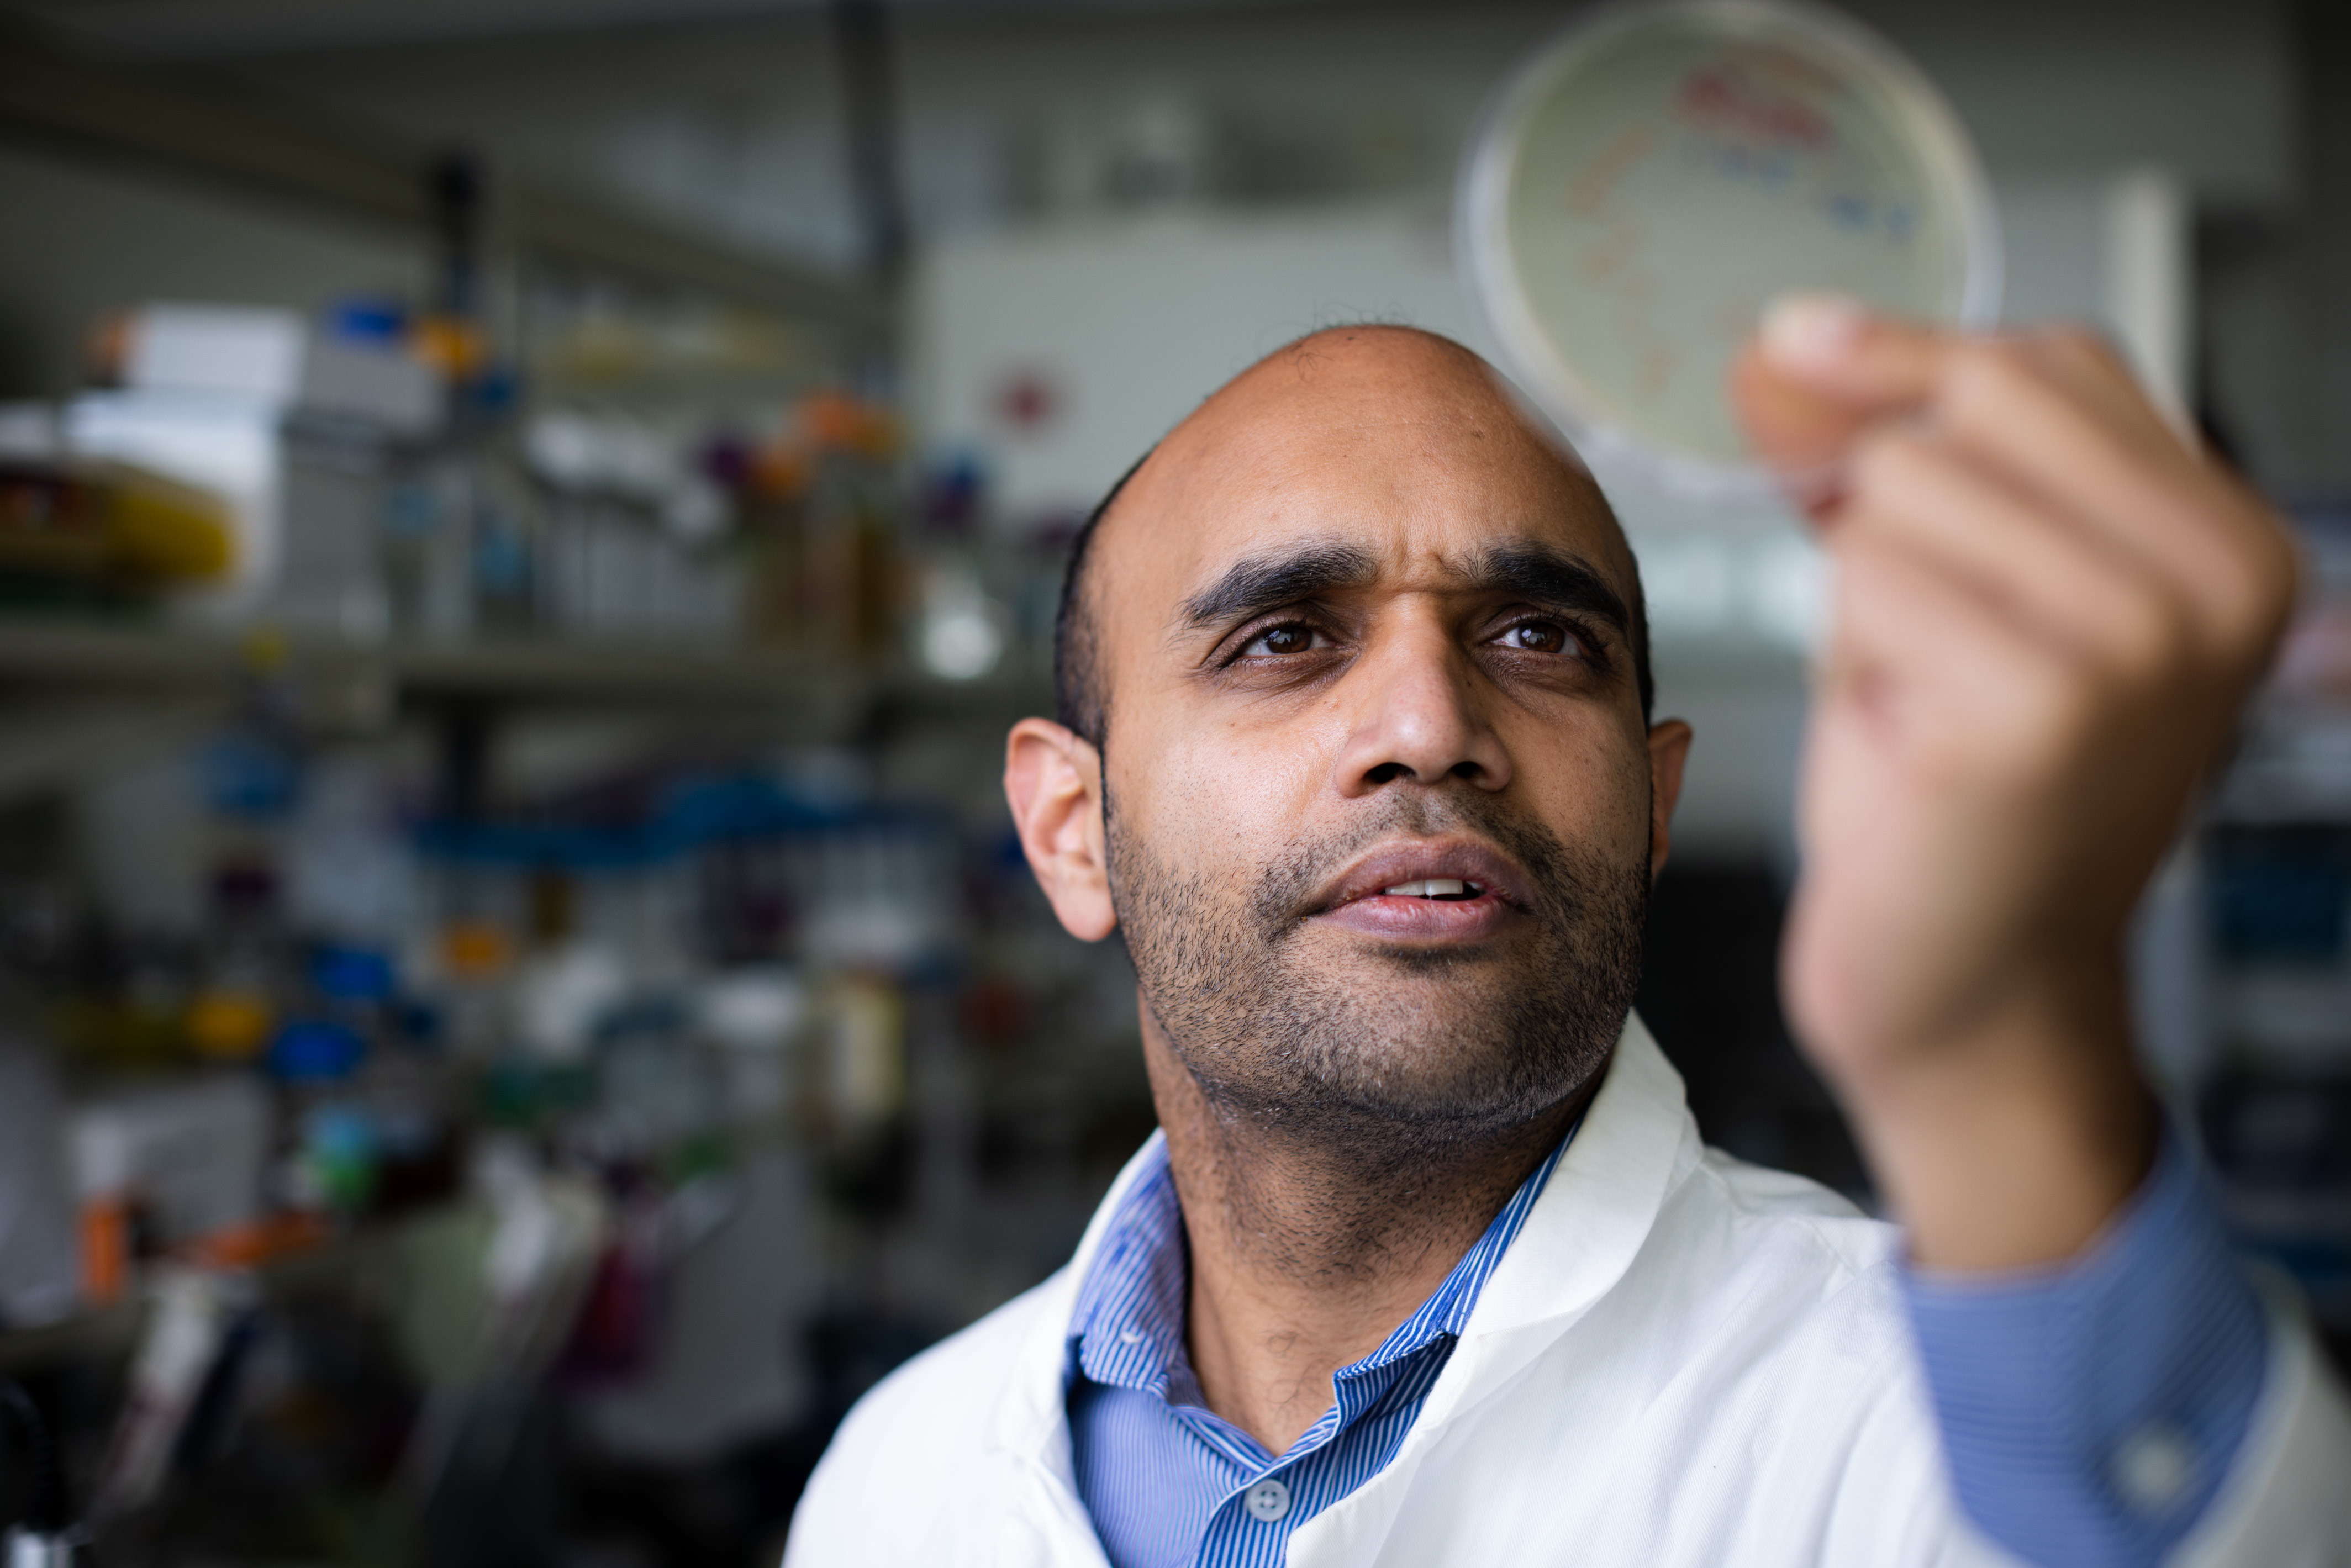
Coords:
pixel 1537 637
pixel 1280 640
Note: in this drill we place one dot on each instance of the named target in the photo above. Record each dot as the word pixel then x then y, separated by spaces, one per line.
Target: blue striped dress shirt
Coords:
pixel 1169 1483
pixel 2089 1412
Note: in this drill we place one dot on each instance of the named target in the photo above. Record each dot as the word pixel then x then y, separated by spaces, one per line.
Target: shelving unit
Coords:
pixel 60 658
pixel 77 697
pixel 88 657
pixel 52 95
pixel 72 693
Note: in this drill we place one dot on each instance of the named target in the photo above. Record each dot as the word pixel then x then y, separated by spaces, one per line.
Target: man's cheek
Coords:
pixel 1195 826
pixel 1589 791
pixel 1266 783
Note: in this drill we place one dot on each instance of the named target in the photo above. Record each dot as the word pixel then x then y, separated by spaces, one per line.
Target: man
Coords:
pixel 1430 1266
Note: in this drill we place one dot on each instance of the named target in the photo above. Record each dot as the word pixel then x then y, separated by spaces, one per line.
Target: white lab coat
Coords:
pixel 1682 1360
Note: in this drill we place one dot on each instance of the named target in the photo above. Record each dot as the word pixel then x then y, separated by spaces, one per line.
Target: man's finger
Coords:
pixel 1941 668
pixel 2065 581
pixel 1837 350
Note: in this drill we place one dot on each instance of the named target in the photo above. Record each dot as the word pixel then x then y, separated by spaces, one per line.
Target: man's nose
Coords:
pixel 1418 715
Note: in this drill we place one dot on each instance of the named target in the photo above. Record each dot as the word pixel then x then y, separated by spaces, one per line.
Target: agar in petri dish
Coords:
pixel 1659 174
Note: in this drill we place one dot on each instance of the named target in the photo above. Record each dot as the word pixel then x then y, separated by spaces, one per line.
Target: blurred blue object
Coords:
pixel 954 491
pixel 314 1050
pixel 352 974
pixel 684 815
pixel 368 319
pixel 250 774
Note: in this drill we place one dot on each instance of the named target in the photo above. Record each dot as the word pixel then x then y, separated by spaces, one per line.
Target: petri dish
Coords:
pixel 1659 173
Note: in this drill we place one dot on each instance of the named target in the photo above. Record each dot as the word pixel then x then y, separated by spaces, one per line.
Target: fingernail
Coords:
pixel 1801 330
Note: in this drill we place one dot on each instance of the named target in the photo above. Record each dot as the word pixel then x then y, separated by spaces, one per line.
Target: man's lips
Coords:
pixel 1388 893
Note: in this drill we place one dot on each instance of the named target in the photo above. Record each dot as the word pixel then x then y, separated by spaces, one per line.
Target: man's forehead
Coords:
pixel 1396 446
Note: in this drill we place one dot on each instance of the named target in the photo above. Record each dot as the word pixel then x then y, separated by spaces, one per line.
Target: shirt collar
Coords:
pixel 1127 1327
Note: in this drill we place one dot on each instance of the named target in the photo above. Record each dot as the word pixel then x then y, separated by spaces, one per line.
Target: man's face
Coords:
pixel 1377 792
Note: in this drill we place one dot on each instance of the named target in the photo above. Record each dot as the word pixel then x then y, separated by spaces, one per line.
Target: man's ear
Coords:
pixel 1669 745
pixel 1053 776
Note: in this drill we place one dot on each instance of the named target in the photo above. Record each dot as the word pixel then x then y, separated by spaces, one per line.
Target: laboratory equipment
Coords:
pixel 1645 187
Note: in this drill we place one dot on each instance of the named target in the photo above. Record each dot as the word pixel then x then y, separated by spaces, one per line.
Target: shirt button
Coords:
pixel 1268 1500
pixel 1130 1336
pixel 2154 1466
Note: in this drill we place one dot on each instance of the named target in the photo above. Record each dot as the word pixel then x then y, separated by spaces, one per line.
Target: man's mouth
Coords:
pixel 1447 892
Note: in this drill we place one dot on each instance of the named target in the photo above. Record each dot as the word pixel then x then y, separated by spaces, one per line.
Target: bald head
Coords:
pixel 1322 410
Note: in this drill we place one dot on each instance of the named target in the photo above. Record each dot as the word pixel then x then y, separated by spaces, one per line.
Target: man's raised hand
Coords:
pixel 2049 608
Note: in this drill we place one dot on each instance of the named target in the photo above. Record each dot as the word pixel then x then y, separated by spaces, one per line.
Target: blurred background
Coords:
pixel 522 526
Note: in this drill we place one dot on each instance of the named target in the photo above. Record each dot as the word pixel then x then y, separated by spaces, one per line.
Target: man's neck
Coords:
pixel 1307 1251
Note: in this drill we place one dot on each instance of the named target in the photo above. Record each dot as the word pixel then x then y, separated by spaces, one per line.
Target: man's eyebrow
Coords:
pixel 1549 576
pixel 1259 583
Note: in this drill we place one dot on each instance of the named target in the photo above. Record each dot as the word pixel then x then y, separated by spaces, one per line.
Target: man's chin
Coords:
pixel 1504 960
pixel 1470 1085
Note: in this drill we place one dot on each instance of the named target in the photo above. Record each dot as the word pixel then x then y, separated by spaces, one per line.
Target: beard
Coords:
pixel 1393 1052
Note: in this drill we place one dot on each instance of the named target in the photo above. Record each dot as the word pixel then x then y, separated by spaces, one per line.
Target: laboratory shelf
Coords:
pixel 54 94
pixel 54 656
pixel 57 658
pixel 617 671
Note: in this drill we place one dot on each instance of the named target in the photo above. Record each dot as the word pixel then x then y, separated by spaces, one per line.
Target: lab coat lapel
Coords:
pixel 1044 1521
pixel 1592 1218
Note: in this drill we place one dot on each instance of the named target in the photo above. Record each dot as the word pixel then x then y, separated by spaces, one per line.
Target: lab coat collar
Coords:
pixel 1592 1219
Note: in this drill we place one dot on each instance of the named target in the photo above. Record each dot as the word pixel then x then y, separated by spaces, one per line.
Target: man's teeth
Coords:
pixel 1430 887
